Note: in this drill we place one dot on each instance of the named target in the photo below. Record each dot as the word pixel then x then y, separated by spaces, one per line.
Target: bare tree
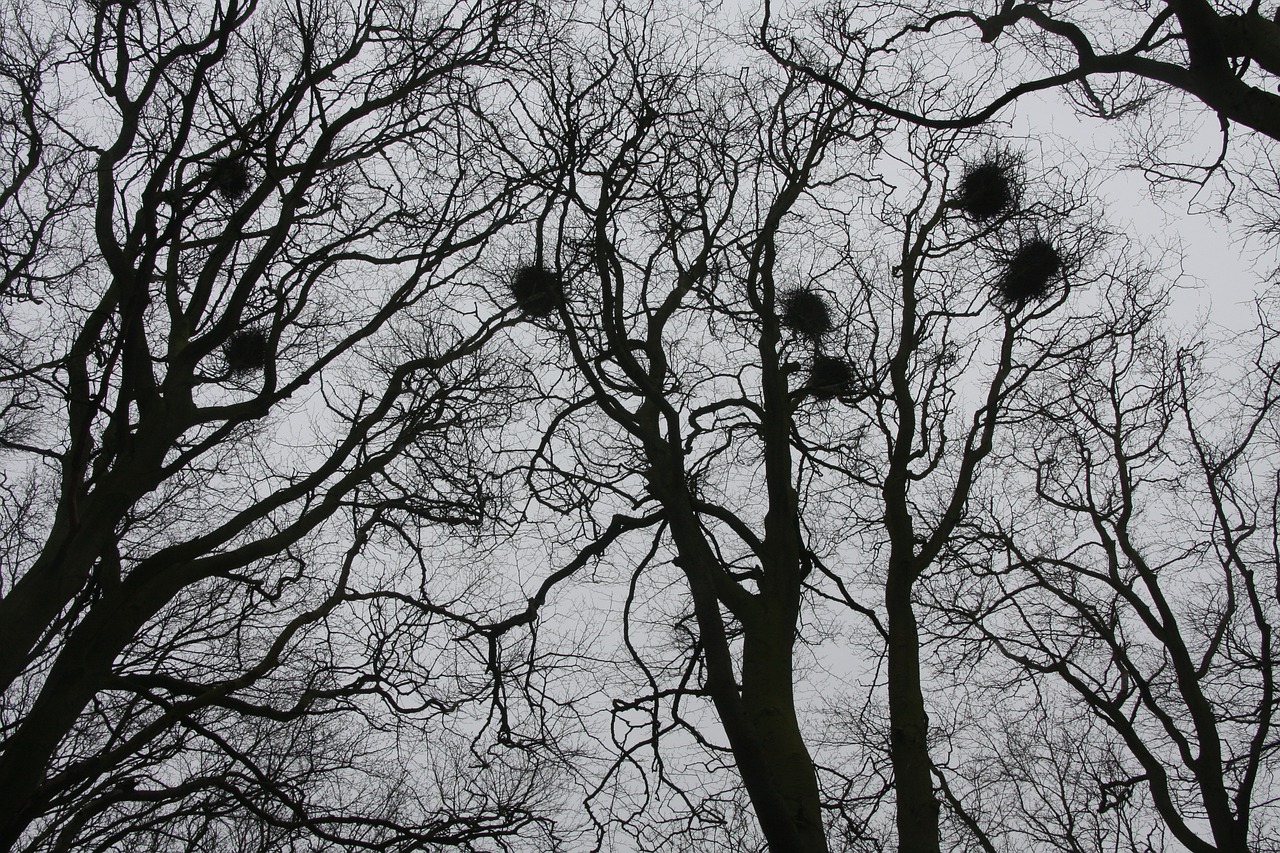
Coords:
pixel 758 349
pixel 1141 588
pixel 1170 76
pixel 346 349
pixel 947 352
pixel 242 353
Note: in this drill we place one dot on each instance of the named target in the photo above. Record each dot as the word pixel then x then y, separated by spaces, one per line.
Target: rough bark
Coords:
pixel 917 815
pixel 759 714
pixel 768 697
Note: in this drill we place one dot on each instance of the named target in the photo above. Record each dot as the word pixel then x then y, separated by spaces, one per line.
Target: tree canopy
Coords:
pixel 501 425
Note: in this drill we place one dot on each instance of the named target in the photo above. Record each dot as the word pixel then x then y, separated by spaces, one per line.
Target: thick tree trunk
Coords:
pixel 82 668
pixel 54 579
pixel 908 724
pixel 769 701
pixel 759 716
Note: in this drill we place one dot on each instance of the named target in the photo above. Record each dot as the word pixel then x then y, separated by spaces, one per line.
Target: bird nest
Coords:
pixel 229 177
pixel 245 351
pixel 829 377
pixel 806 312
pixel 1029 273
pixel 537 291
pixel 988 188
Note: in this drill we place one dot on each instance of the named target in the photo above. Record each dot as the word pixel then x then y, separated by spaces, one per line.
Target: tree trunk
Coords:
pixel 32 604
pixel 908 724
pixel 769 702
pixel 80 671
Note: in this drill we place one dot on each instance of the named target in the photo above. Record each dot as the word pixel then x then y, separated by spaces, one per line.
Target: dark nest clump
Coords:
pixel 829 377
pixel 245 351
pixel 537 291
pixel 1029 273
pixel 987 188
pixel 229 177
pixel 806 312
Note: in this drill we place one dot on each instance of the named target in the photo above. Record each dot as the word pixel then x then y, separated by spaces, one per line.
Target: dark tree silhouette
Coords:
pixel 1140 588
pixel 241 350
pixel 703 442
pixel 1225 55
pixel 413 414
